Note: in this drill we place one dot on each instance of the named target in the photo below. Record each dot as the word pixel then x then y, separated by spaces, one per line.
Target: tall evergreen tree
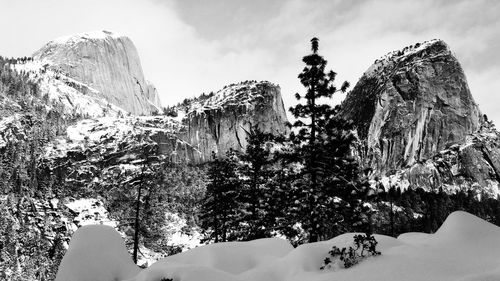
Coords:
pixel 144 182
pixel 313 121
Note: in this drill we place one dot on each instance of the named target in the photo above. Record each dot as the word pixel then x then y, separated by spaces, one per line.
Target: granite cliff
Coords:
pixel 413 109
pixel 222 121
pixel 108 63
pixel 411 104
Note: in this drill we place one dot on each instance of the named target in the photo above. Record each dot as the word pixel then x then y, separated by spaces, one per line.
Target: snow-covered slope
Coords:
pixel 124 136
pixel 464 248
pixel 60 90
pixel 79 262
pixel 107 62
pixel 245 94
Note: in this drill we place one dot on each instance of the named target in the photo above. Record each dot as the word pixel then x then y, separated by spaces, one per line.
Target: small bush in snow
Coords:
pixel 364 246
pixel 166 279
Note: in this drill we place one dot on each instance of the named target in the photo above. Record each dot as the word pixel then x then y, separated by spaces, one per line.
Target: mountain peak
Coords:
pixel 425 49
pixel 412 103
pixel 106 61
pixel 85 36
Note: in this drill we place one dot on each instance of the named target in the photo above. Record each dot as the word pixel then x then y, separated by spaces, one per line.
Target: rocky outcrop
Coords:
pixel 111 141
pixel 222 121
pixel 108 63
pixel 418 125
pixel 411 104
pixel 473 164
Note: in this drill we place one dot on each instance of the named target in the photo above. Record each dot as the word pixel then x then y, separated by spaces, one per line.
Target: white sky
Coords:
pixel 192 46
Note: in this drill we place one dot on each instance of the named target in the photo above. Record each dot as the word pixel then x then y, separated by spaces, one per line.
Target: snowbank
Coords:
pixel 96 253
pixel 465 248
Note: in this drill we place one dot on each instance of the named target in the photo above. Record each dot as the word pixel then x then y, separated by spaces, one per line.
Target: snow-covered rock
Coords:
pixel 419 126
pixel 61 91
pixel 217 124
pixel 119 140
pixel 473 164
pixel 89 211
pixel 222 121
pixel 411 104
pixel 106 62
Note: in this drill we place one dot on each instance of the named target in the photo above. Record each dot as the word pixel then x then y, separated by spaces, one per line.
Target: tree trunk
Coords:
pixel 136 225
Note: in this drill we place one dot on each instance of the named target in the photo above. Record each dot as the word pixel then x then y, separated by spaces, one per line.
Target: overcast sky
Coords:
pixel 192 46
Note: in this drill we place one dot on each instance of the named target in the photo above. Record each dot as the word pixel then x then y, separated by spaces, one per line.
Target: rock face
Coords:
pixel 108 63
pixel 222 121
pixel 419 126
pixel 411 104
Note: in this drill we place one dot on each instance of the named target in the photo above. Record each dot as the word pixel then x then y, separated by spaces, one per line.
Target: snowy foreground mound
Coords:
pixel 464 248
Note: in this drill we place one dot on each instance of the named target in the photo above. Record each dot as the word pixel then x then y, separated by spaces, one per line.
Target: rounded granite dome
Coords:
pixel 105 61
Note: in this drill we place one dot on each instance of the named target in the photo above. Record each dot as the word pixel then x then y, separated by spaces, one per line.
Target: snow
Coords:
pixel 399 55
pixel 464 248
pixel 90 212
pixel 72 95
pixel 177 237
pixel 241 94
pixel 82 37
pixel 398 180
pixel 95 129
pixel 6 123
pixel 96 253
pixel 107 132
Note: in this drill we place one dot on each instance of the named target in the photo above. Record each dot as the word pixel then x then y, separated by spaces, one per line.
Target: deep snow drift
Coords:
pixel 96 252
pixel 465 248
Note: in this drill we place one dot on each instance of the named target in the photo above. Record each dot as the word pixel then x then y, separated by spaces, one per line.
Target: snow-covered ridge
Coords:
pixel 240 94
pixel 418 49
pixel 85 36
pixel 107 132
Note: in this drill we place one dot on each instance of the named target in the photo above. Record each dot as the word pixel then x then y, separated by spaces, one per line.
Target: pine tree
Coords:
pixel 255 194
pixel 144 182
pixel 317 134
pixel 218 211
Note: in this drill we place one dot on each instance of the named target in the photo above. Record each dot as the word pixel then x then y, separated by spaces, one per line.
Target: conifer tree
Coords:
pixel 255 194
pixel 313 141
pixel 218 210
pixel 145 181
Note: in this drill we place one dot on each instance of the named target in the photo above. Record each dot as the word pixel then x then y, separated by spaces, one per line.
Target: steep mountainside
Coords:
pixel 108 63
pixel 216 124
pixel 411 104
pixel 413 107
pixel 222 121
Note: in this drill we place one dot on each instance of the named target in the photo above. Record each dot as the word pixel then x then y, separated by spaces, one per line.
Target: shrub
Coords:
pixel 364 246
